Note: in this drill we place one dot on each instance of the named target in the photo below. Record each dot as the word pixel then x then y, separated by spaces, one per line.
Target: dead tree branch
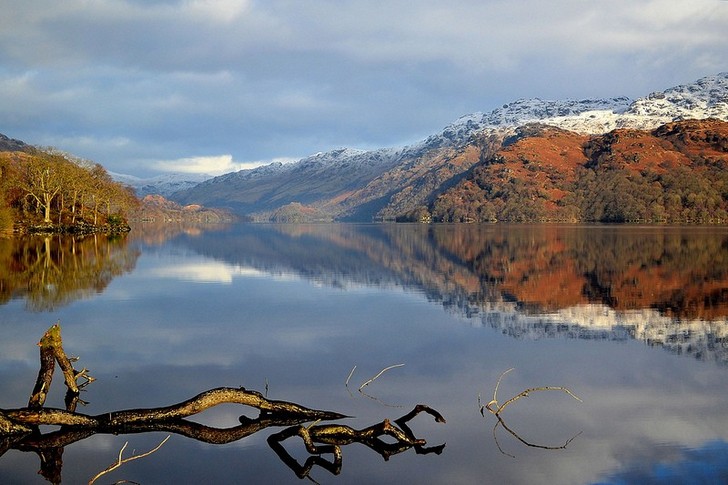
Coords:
pixel 369 381
pixel 195 405
pixel 496 409
pixel 51 351
pixel 19 428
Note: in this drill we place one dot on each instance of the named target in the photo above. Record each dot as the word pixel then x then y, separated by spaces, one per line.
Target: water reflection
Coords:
pixel 20 428
pixel 52 271
pixel 206 272
pixel 666 286
pixel 158 335
pixel 680 272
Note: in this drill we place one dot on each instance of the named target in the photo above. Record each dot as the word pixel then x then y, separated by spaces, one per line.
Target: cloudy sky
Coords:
pixel 147 86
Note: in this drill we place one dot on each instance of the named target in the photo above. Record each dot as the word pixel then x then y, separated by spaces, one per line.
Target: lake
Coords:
pixel 631 320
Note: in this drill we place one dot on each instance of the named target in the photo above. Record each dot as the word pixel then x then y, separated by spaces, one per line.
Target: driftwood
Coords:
pixel 51 351
pixel 19 428
pixel 23 420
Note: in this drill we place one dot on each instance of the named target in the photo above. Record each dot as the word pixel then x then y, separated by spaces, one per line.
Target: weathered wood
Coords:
pixel 195 405
pixel 19 428
pixel 211 398
pixel 45 376
pixel 10 427
pixel 51 351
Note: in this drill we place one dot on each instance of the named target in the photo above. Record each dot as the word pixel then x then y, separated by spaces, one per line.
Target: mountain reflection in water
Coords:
pixel 665 286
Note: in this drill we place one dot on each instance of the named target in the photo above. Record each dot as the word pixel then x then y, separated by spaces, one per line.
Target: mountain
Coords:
pixel 155 208
pixel 165 184
pixel 12 145
pixel 390 183
pixel 676 173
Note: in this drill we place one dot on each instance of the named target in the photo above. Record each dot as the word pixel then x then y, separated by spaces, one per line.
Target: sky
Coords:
pixel 145 87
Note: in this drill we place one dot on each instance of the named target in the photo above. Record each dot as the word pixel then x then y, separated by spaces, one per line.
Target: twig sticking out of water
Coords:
pixel 377 376
pixel 349 378
pixel 366 383
pixel 496 409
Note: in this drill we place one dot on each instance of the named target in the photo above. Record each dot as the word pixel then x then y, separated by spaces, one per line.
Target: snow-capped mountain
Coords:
pixel 705 98
pixel 165 184
pixel 338 180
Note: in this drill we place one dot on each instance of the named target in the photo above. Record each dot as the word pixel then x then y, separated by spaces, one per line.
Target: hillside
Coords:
pixel 155 208
pixel 676 173
pixel 407 182
pixel 12 145
pixel 47 191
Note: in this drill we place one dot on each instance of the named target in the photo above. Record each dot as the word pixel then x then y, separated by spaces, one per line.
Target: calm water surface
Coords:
pixel 633 320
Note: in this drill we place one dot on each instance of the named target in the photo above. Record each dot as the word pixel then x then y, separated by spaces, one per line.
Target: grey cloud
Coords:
pixel 260 80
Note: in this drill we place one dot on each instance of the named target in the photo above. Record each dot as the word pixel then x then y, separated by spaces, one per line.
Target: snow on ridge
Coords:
pixel 707 97
pixel 704 98
pixel 531 110
pixel 165 184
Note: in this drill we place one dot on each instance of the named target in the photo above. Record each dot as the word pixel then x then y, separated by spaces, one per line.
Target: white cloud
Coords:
pixel 219 10
pixel 212 165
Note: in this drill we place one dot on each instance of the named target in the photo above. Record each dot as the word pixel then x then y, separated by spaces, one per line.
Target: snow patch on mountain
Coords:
pixel 705 98
pixel 165 184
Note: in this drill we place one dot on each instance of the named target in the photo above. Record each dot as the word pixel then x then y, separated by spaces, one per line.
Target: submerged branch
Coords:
pixel 496 409
pixel 329 438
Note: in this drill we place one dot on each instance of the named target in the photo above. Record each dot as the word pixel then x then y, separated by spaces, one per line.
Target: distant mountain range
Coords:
pixel 165 184
pixel 395 183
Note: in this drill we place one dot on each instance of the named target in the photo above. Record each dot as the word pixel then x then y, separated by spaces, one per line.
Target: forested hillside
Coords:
pixel 46 190
pixel 676 173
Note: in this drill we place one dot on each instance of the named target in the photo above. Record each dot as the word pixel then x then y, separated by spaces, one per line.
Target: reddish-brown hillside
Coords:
pixel 675 173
